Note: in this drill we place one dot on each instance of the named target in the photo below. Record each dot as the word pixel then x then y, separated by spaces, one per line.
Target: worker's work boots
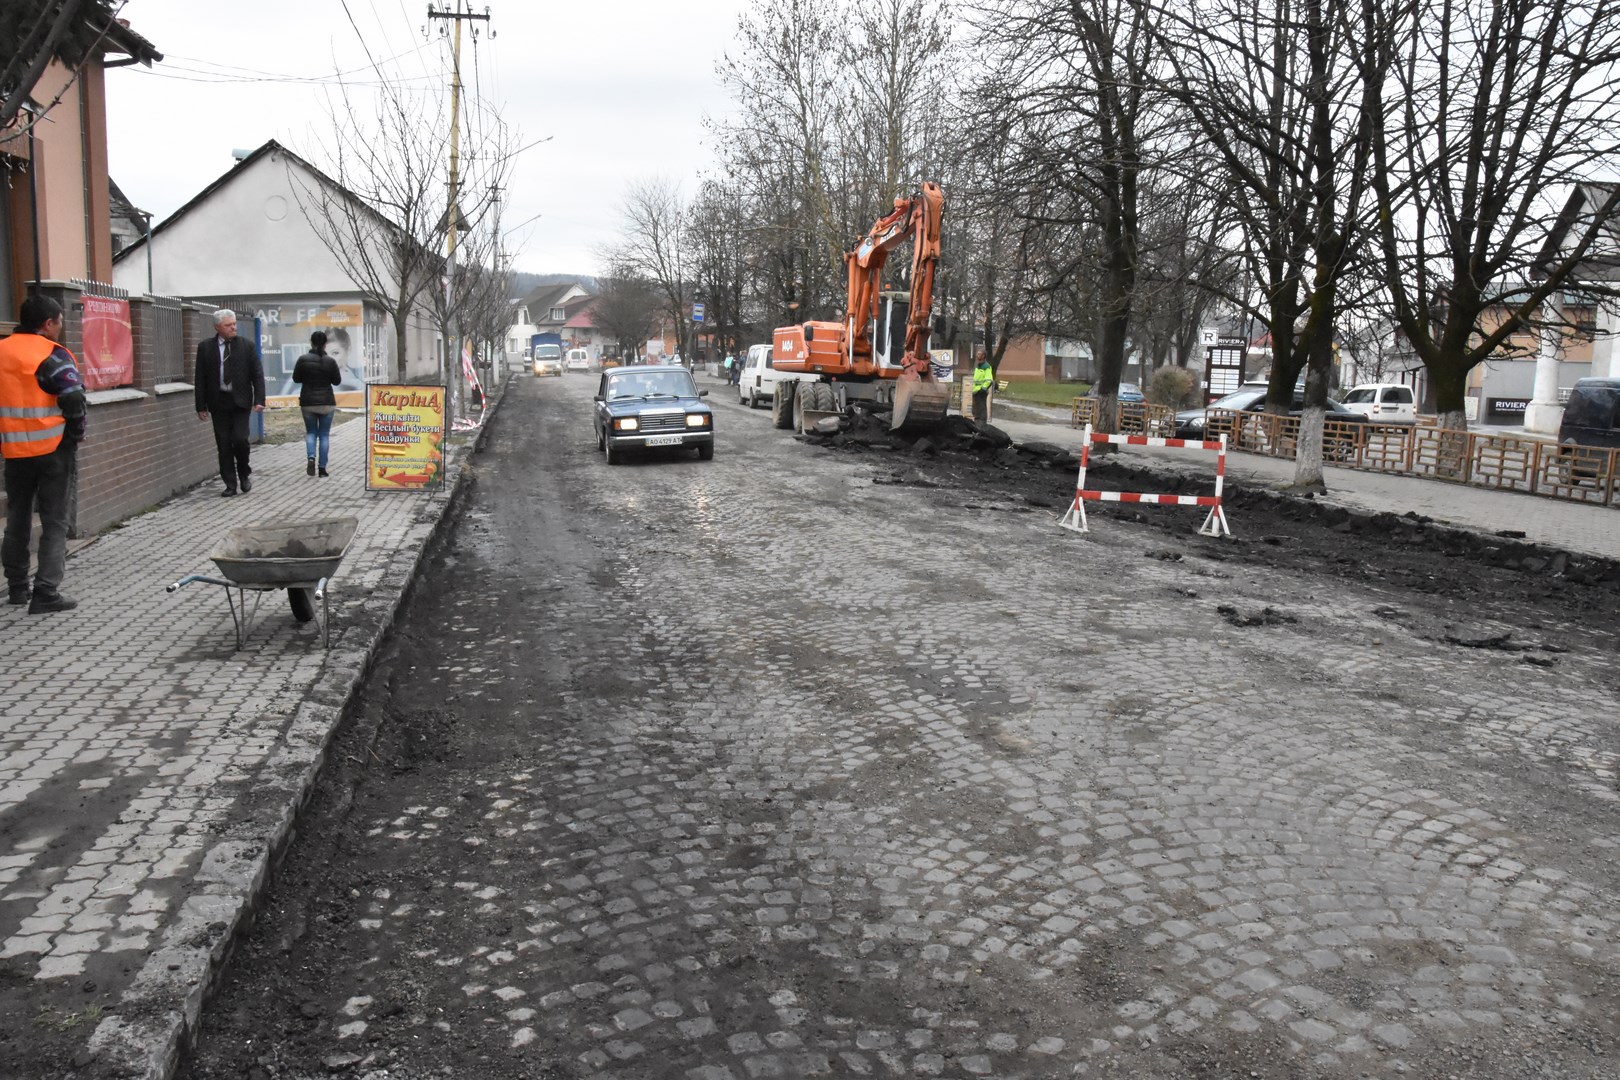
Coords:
pixel 20 594
pixel 43 604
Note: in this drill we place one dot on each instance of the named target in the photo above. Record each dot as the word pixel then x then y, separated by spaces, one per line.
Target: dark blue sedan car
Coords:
pixel 651 406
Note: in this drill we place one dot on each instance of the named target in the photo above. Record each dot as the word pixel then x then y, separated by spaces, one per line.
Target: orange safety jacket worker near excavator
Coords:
pixel 42 412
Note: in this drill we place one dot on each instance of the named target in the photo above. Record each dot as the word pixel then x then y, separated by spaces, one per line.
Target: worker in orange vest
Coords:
pixel 42 407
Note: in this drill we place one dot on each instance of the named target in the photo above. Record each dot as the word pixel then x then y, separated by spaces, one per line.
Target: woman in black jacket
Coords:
pixel 316 373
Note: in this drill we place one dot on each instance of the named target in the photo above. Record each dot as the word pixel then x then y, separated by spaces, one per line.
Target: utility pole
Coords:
pixel 461 13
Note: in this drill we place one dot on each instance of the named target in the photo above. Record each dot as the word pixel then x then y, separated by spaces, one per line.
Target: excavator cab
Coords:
pixel 919 404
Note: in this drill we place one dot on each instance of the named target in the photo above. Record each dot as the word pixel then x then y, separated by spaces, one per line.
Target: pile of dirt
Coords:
pixel 1506 571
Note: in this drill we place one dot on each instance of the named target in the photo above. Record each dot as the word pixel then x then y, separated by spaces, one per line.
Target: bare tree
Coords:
pixel 627 310
pixel 785 77
pixel 1078 79
pixel 1495 110
pixel 381 214
pixel 1286 91
pixel 719 232
pixel 654 246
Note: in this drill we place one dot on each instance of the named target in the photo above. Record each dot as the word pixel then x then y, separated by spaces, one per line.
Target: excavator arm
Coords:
pixel 844 350
pixel 918 219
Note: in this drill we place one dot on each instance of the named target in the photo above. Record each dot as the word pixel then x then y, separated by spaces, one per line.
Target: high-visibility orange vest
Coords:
pixel 31 423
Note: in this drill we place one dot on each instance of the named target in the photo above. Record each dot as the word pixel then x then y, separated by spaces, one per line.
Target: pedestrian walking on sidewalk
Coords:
pixel 229 388
pixel 316 375
pixel 983 380
pixel 42 407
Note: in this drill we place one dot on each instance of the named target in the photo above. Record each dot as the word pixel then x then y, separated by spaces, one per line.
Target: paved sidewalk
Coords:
pixel 148 770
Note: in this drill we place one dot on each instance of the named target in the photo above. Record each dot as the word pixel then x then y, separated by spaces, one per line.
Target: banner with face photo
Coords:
pixel 284 332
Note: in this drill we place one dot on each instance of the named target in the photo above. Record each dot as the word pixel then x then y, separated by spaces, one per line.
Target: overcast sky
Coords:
pixel 620 86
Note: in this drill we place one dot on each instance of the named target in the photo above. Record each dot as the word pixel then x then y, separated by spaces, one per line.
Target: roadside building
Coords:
pixel 53 169
pixel 286 283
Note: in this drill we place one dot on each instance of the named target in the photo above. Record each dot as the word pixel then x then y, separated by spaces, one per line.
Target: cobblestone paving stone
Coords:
pixel 140 754
pixel 1059 820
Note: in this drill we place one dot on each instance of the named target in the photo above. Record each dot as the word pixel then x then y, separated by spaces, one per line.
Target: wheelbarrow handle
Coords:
pixel 189 578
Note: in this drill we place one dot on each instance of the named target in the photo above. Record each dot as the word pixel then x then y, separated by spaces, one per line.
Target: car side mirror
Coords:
pixel 703 393
pixel 596 397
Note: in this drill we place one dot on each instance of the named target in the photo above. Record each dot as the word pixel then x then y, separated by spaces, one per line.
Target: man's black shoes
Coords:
pixel 247 485
pixel 43 604
pixel 20 594
pixel 227 493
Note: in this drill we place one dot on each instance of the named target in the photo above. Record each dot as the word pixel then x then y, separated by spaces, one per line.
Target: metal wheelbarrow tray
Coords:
pixel 299 556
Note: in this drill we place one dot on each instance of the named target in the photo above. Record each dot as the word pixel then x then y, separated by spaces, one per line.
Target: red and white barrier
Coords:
pixel 1214 524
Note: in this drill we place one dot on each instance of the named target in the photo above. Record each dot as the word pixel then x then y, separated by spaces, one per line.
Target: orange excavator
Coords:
pixel 879 352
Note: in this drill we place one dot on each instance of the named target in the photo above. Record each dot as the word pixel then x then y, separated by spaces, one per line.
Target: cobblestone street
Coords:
pixel 755 768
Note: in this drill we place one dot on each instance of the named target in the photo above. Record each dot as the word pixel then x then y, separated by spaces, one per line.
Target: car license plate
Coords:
pixel 663 440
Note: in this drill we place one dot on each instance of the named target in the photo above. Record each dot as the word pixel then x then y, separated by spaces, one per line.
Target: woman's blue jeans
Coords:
pixel 317 436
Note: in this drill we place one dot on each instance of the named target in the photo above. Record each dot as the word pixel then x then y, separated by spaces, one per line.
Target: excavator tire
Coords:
pixel 919 406
pixel 823 398
pixel 782 405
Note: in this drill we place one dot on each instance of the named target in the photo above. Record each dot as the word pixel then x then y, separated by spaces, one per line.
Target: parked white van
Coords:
pixel 1383 402
pixel 757 384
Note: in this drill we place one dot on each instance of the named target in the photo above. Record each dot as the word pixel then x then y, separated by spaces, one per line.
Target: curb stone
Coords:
pixel 159 1013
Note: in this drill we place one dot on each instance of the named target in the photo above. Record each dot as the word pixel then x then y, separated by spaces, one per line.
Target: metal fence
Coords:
pixel 168 327
pixel 99 288
pixel 1135 417
pixel 1504 462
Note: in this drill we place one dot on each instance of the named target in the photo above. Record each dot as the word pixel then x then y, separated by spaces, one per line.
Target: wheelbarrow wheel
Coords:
pixel 302 602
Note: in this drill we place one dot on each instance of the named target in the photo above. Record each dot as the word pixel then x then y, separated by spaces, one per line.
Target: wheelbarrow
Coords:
pixel 298 556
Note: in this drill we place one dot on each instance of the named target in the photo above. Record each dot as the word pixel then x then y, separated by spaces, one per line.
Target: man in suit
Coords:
pixel 229 386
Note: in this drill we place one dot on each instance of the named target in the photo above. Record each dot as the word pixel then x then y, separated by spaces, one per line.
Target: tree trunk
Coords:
pixel 1308 451
pixel 1450 393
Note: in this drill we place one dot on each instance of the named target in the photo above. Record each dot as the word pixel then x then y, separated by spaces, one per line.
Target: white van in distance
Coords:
pixel 1382 403
pixel 757 385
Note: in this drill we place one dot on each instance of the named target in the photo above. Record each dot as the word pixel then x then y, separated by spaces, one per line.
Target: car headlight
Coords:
pixel 629 423
pixel 696 420
pixel 1196 422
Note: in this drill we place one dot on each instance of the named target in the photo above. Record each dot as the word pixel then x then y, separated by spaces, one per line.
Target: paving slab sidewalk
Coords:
pixel 149 771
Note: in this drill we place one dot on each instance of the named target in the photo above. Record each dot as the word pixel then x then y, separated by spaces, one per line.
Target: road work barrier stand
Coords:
pixel 1214 524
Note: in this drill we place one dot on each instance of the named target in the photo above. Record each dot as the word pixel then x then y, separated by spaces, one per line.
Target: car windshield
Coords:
pixel 1239 399
pixel 651 384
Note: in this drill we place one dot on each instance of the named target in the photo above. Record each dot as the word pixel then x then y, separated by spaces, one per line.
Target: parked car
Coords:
pixel 1592 414
pixel 757 383
pixel 1190 422
pixel 1128 391
pixel 1591 418
pixel 577 360
pixel 1251 397
pixel 648 406
pixel 1383 402
pixel 548 365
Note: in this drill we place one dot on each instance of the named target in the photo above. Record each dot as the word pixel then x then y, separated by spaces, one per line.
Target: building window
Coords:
pixel 558 314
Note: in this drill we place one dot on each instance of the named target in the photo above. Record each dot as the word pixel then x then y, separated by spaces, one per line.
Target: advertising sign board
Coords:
pixel 405 437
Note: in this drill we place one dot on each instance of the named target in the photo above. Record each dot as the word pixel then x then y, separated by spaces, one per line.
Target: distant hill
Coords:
pixel 525 283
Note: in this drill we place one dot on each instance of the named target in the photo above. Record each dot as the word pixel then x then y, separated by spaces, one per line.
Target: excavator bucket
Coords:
pixel 918 405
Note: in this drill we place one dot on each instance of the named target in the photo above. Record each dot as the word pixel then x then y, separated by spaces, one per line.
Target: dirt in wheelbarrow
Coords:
pixel 1495 576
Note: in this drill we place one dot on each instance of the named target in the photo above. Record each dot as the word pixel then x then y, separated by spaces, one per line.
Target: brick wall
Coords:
pixel 141 451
